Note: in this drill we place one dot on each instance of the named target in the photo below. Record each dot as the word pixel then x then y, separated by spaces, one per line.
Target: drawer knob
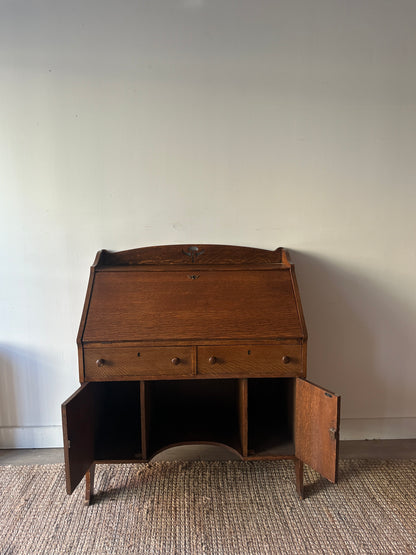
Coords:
pixel 286 359
pixel 176 361
pixel 100 362
pixel 212 360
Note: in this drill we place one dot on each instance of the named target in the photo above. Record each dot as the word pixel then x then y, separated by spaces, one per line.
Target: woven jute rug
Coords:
pixel 199 507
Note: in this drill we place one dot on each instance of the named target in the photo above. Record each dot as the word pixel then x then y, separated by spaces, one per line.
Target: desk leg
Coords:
pixel 299 477
pixel 89 484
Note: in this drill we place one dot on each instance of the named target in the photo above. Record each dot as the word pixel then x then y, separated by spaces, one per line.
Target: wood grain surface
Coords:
pixel 251 360
pixel 108 362
pixel 190 254
pixel 317 428
pixel 179 305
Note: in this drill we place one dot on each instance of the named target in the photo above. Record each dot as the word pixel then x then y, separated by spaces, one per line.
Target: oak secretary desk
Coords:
pixel 195 344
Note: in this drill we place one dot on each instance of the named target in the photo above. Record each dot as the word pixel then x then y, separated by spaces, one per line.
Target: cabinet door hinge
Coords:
pixel 333 433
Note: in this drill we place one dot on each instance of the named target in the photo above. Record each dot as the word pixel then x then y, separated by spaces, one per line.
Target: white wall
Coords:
pixel 257 123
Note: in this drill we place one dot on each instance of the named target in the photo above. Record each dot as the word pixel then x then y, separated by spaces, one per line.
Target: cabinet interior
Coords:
pixel 117 421
pixel 192 411
pixel 270 417
pixel 131 424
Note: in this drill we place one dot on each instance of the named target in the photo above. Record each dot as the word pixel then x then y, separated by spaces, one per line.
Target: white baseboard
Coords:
pixel 34 437
pixel 378 428
pixel 30 437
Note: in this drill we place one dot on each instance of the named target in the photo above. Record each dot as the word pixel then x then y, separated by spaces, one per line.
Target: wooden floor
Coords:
pixel 378 449
pixel 369 449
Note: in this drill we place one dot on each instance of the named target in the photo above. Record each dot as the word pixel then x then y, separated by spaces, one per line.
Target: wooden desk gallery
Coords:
pixel 192 344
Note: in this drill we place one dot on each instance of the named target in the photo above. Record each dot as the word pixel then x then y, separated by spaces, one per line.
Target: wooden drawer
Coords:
pixel 106 363
pixel 254 360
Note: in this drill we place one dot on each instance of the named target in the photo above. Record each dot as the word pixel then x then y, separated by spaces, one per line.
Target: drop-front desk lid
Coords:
pixel 183 293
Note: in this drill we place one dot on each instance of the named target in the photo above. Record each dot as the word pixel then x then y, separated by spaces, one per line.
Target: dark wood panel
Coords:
pixel 242 416
pixel 317 428
pixel 78 421
pixel 179 305
pixel 190 254
pixel 252 360
pixel 144 417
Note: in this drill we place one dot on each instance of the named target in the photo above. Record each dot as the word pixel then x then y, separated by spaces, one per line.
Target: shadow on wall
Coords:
pixel 19 392
pixel 358 336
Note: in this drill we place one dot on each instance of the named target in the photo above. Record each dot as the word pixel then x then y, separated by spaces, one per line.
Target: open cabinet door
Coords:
pixel 78 430
pixel 317 428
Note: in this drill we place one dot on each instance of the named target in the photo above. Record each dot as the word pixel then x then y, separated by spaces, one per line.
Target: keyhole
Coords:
pixel 249 352
pixel 138 354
